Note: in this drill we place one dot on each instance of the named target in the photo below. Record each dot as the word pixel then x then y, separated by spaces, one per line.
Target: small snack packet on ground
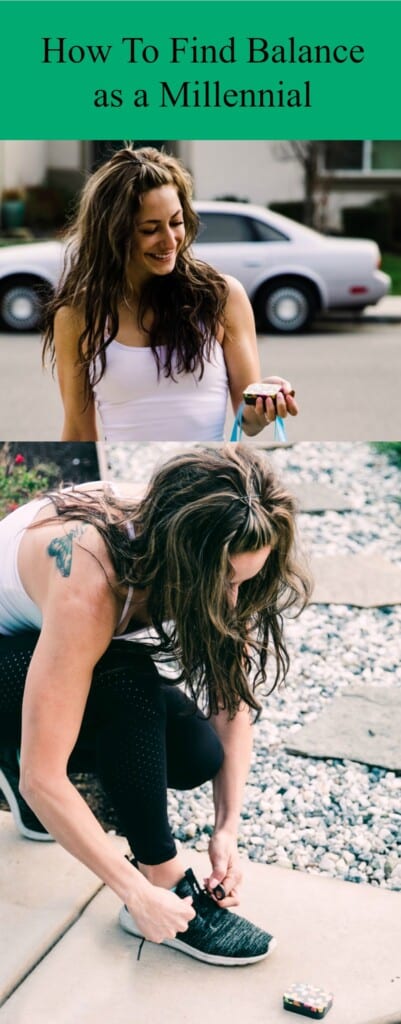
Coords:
pixel 307 1000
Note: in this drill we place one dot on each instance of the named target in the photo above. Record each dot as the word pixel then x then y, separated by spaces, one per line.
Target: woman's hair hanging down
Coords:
pixel 186 305
pixel 200 508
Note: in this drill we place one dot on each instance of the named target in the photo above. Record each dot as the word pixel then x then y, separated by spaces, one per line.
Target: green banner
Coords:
pixel 200 70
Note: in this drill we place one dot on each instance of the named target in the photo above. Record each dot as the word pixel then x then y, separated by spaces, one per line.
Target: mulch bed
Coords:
pixel 91 790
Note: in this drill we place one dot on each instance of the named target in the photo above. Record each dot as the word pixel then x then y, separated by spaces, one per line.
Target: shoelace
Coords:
pixel 200 897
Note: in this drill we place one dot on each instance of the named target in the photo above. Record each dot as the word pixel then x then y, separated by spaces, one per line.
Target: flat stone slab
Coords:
pixel 366 581
pixel 334 934
pixel 42 891
pixel 363 724
pixel 318 498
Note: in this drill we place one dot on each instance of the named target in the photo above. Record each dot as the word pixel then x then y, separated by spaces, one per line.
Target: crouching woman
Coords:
pixel 206 559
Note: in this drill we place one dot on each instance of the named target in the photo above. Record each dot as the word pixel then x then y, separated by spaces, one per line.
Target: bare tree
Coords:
pixel 309 155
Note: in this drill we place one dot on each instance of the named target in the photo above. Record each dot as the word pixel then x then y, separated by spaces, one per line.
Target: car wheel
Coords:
pixel 22 300
pixel 285 306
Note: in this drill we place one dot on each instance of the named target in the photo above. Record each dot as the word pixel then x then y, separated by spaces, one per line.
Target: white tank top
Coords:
pixel 134 404
pixel 17 611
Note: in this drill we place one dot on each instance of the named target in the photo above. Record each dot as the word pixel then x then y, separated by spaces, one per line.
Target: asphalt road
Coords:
pixel 347 380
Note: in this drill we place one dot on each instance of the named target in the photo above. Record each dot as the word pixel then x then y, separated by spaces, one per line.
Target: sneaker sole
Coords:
pixel 128 925
pixel 28 833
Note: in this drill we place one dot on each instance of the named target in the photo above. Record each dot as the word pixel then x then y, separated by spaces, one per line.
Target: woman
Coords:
pixel 206 558
pixel 140 330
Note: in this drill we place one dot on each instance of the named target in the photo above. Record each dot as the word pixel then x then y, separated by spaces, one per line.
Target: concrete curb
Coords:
pixel 387 311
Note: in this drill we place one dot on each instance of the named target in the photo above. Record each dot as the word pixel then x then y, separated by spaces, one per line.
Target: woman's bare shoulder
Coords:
pixel 69 318
pixel 68 560
pixel 238 314
pixel 48 527
pixel 69 325
pixel 236 290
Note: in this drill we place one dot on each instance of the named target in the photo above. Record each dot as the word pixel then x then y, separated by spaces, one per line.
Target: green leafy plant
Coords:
pixel 19 484
pixel 392 449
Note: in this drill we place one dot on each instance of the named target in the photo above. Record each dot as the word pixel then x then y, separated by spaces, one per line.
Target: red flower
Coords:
pixel 19 460
pixel 12 505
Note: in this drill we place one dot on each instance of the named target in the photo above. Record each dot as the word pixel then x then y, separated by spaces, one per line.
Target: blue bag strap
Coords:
pixel 236 432
pixel 279 427
pixel 279 430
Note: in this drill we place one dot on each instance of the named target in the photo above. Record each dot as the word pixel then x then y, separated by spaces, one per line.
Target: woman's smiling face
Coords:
pixel 159 233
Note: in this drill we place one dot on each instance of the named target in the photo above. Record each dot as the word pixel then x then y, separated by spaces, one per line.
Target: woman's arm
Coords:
pixel 236 737
pixel 243 365
pixel 79 614
pixel 228 789
pixel 79 413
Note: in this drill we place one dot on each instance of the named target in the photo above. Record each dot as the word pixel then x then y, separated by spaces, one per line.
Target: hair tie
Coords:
pixel 247 499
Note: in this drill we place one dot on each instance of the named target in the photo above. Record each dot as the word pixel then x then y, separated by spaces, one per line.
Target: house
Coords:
pixel 350 173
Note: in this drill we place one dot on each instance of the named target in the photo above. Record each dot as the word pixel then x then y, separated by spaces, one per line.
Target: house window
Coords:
pixel 386 156
pixel 362 157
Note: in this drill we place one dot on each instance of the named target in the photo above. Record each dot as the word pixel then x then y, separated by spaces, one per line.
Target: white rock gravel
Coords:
pixel 335 817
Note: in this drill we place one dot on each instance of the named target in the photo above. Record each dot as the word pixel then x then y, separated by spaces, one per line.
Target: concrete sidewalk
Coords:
pixel 333 934
pixel 42 892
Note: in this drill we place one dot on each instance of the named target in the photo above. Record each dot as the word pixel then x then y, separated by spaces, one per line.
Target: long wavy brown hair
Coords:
pixel 201 508
pixel 186 305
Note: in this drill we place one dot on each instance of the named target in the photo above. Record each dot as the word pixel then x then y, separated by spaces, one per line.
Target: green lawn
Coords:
pixel 391 264
pixel 14 241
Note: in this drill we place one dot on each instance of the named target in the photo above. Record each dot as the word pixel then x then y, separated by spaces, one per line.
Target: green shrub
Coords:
pixel 369 222
pixel 392 449
pixel 19 484
pixel 293 208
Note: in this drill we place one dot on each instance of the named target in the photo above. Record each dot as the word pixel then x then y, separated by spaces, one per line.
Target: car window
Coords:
pixel 266 233
pixel 233 227
pixel 225 227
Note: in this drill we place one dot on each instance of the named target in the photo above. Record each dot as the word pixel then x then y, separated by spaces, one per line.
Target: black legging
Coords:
pixel 135 734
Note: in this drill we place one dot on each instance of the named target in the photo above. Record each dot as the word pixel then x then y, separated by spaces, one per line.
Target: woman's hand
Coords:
pixel 226 868
pixel 160 914
pixel 266 409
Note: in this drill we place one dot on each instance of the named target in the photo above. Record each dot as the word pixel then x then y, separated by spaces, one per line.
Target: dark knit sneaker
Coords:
pixel 25 820
pixel 215 935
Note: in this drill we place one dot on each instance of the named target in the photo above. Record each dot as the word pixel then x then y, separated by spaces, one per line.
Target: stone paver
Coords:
pixel 316 497
pixel 365 581
pixel 330 933
pixel 363 724
pixel 42 891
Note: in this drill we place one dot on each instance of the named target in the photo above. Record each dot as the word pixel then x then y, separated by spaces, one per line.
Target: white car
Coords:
pixel 290 272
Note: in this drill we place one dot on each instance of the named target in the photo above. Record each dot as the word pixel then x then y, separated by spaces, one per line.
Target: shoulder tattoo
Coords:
pixel 60 548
